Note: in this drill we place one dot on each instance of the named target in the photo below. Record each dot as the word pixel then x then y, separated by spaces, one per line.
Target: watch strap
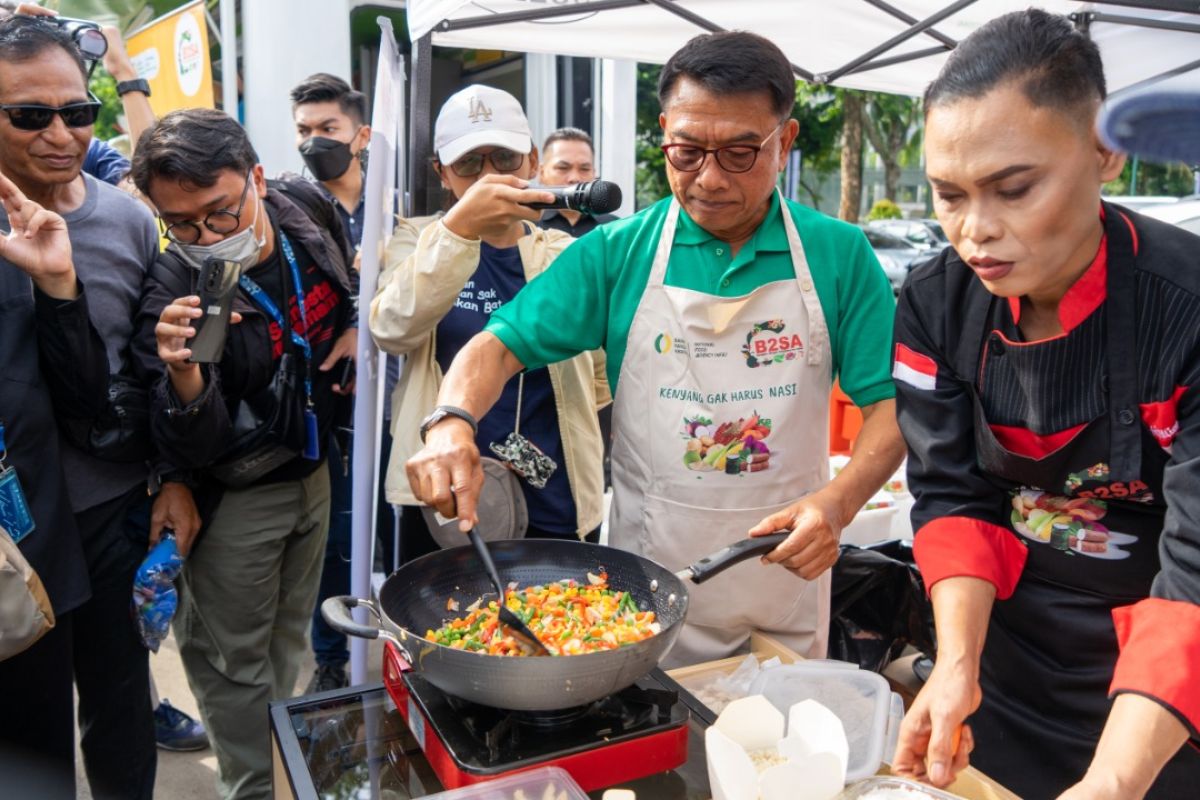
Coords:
pixel 441 412
pixel 136 85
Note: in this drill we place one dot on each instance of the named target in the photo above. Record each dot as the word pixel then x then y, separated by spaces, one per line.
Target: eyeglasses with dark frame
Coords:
pixel 38 117
pixel 222 221
pixel 733 158
pixel 503 160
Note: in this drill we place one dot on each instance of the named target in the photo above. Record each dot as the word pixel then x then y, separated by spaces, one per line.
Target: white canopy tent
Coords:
pixel 893 46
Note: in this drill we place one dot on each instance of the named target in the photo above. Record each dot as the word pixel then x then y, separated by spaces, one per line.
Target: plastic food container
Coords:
pixel 893 789
pixel 546 783
pixel 870 712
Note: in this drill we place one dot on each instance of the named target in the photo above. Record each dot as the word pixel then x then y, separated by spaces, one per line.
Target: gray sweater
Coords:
pixel 114 242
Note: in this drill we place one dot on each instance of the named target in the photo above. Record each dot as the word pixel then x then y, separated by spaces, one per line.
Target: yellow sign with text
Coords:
pixel 172 54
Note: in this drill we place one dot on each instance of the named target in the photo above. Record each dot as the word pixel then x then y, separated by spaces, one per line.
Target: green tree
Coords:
pixel 105 88
pixel 819 112
pixel 852 152
pixel 651 163
pixel 1153 179
pixel 892 124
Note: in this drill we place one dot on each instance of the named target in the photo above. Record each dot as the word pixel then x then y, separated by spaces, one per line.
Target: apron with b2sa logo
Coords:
pixel 721 419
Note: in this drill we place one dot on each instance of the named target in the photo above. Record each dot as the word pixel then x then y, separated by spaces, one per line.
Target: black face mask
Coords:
pixel 326 159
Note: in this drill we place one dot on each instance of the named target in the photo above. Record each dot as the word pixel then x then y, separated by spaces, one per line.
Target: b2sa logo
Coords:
pixel 1115 491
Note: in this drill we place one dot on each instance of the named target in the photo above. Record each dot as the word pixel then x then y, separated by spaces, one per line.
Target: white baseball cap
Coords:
pixel 479 116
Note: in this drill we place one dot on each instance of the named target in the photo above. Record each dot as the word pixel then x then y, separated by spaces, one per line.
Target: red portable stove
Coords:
pixel 639 731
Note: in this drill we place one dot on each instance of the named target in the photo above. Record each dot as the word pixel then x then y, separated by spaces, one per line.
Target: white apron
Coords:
pixel 687 480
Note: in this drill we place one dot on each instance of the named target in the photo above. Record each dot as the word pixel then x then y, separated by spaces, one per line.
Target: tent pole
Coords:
pixel 484 21
pixel 699 21
pixel 1144 22
pixel 908 19
pixel 420 134
pixel 914 30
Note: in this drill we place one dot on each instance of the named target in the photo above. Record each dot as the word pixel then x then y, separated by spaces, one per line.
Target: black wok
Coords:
pixel 414 600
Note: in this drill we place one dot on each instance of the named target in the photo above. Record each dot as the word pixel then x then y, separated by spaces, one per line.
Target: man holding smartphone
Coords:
pixel 255 424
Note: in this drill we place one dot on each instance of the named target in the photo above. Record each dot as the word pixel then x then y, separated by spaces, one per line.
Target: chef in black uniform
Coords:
pixel 1048 385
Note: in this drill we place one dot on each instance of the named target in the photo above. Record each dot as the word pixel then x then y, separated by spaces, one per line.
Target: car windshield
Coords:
pixel 887 241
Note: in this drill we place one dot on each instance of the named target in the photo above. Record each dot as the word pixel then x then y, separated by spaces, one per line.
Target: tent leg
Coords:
pixel 420 131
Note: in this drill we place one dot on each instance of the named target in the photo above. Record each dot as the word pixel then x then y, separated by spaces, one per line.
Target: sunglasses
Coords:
pixel 38 117
pixel 502 160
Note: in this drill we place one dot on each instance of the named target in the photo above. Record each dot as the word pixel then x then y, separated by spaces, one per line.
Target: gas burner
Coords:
pixel 550 720
pixel 638 731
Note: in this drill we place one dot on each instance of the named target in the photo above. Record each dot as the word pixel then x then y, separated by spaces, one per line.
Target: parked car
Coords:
pixel 1185 214
pixel 897 256
pixel 924 233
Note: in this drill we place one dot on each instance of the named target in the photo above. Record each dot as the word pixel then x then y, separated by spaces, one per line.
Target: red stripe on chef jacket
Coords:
pixel 1160 655
pixel 955 547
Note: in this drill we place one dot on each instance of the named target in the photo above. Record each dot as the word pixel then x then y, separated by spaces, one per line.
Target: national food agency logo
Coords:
pixel 767 344
pixel 665 343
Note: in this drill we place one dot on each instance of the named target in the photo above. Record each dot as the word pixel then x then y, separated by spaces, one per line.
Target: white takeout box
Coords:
pixel 811 757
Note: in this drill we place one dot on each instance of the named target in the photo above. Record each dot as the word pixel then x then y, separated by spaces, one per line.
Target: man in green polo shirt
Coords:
pixel 726 313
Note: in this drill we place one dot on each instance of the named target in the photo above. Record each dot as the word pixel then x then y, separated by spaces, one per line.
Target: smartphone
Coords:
pixel 346 374
pixel 217 287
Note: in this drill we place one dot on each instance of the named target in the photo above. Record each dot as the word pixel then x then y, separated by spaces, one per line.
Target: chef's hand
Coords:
pixel 446 472
pixel 934 744
pixel 1094 789
pixel 816 529
pixel 492 205
pixel 175 508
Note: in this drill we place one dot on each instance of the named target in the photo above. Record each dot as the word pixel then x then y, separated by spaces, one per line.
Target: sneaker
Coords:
pixel 175 730
pixel 326 678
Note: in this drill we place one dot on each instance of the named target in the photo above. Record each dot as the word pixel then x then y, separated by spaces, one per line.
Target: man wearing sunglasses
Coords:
pixel 248 587
pixel 726 312
pixel 46 118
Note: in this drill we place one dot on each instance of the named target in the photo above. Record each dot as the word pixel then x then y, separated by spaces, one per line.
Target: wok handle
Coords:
pixel 336 611
pixel 735 553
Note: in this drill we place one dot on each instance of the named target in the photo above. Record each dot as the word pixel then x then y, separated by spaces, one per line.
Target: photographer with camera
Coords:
pixel 254 423
pixel 433 299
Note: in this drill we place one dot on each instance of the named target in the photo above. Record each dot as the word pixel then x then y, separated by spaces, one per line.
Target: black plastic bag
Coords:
pixel 878 606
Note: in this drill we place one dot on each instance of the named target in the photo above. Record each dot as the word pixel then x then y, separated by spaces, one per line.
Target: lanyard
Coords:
pixel 3 446
pixel 268 305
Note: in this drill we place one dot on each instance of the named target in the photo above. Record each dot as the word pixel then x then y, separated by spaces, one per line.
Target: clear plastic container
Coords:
pixel 870 712
pixel 893 789
pixel 545 783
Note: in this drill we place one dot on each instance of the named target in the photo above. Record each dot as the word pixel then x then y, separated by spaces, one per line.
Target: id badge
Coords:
pixel 14 511
pixel 312 444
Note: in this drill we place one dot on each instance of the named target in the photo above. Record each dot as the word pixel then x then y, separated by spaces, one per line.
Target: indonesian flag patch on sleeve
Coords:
pixel 918 371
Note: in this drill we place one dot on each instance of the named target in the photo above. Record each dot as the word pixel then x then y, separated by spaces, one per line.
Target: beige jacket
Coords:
pixel 425 268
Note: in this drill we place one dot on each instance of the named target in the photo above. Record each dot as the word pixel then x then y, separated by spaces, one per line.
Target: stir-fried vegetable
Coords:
pixel 569 618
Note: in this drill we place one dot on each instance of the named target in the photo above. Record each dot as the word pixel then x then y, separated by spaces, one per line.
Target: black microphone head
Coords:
pixel 601 197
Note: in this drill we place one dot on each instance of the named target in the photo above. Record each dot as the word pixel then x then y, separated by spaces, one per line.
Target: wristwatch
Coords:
pixel 440 413
pixel 136 85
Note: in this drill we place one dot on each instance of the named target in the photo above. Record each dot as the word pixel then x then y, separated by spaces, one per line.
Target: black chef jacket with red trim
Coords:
pixel 1097 573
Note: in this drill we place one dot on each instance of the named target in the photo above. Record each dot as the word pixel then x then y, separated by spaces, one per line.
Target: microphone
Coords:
pixel 593 197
